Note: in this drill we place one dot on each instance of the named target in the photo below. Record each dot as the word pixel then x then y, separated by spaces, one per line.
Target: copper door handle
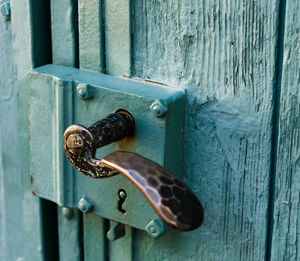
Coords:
pixel 173 201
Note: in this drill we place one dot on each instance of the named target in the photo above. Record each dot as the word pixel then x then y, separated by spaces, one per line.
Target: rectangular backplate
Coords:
pixel 54 104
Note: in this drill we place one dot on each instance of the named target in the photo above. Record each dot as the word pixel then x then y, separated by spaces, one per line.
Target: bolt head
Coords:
pixel 84 205
pixel 68 213
pixel 83 91
pixel 5 9
pixel 152 229
pixel 159 108
pixel 155 228
pixel 156 109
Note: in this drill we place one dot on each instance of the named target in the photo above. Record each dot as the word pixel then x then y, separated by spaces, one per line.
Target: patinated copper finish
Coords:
pixel 173 201
pixel 80 143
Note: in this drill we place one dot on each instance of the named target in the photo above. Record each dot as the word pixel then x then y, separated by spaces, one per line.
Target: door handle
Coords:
pixel 173 201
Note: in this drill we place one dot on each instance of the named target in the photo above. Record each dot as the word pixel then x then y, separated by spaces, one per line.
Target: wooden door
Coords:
pixel 239 63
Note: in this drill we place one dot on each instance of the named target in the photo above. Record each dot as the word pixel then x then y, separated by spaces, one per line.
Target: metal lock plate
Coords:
pixel 60 96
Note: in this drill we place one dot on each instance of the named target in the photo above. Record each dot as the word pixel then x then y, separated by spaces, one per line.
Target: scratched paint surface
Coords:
pixel 286 229
pixel 223 52
pixel 10 187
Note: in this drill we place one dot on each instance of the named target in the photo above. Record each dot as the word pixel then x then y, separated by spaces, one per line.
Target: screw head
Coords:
pixel 159 108
pixel 83 91
pixel 5 9
pixel 156 109
pixel 155 228
pixel 68 213
pixel 84 205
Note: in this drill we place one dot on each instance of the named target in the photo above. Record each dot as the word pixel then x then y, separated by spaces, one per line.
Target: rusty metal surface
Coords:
pixel 80 143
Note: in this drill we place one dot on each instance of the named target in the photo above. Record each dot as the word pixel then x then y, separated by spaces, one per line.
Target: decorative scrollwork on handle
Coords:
pixel 173 201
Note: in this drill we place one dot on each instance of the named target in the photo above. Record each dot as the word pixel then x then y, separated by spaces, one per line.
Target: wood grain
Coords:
pixel 223 53
pixel 30 47
pixel 65 52
pixel 11 244
pixel 286 230
pixel 91 57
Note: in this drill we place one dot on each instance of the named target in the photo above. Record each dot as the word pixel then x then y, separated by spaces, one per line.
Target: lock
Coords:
pixel 153 140
pixel 173 201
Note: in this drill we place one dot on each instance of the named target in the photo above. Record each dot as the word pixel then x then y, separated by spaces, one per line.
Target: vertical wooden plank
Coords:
pixel 91 35
pixel 121 249
pixel 64 30
pixel 31 44
pixel 11 240
pixel 65 52
pixel 118 61
pixel 69 221
pixel 91 57
pixel 118 37
pixel 223 53
pixel 286 228
pixel 94 237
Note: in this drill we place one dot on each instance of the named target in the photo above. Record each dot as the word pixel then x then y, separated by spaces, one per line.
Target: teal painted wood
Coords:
pixel 26 33
pixel 94 237
pixel 118 37
pixel 91 42
pixel 69 234
pixel 64 32
pixel 11 238
pixel 118 61
pixel 122 249
pixel 286 228
pixel 91 53
pixel 224 53
pixel 65 52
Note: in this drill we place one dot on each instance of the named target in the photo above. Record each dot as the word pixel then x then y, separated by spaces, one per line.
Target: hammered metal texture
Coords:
pixel 174 202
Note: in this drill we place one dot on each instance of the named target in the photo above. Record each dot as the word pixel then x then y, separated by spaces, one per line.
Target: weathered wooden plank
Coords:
pixel 30 40
pixel 11 242
pixel 224 53
pixel 91 35
pixel 69 221
pixel 118 37
pixel 286 228
pixel 91 57
pixel 94 237
pixel 65 52
pixel 64 30
pixel 122 248
pixel 118 61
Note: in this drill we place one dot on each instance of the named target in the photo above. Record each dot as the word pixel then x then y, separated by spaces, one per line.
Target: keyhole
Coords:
pixel 122 196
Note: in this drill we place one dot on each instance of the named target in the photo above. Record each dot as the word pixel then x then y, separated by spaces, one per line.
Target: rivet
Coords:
pixel 68 213
pixel 5 9
pixel 84 205
pixel 159 108
pixel 83 91
pixel 155 227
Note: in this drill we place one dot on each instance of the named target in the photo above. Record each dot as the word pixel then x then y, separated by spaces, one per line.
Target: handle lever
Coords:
pixel 173 201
